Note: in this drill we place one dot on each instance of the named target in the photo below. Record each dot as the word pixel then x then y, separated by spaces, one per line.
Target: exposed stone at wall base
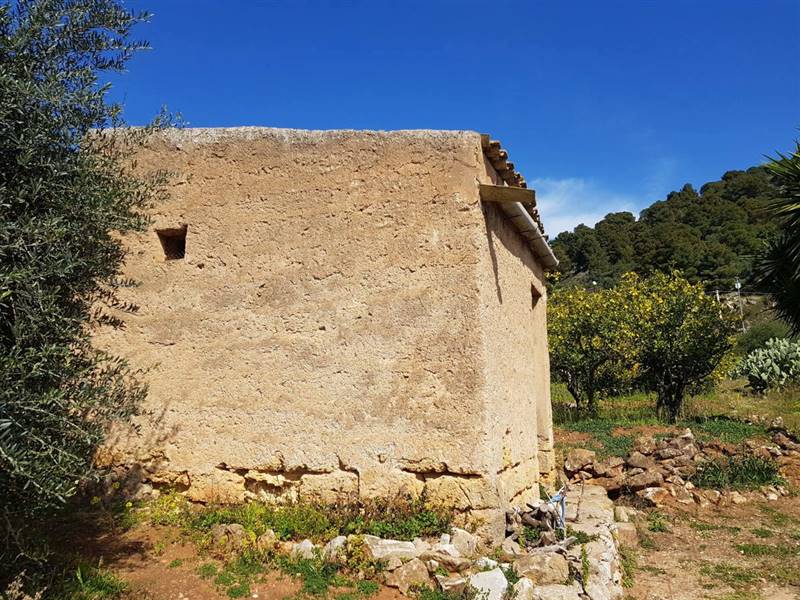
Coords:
pixel 566 570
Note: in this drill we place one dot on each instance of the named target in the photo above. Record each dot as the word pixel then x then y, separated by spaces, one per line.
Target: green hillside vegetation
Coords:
pixel 711 236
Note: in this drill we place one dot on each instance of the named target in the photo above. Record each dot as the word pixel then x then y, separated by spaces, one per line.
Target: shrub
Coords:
pixel 758 334
pixel 774 365
pixel 737 472
pixel 67 192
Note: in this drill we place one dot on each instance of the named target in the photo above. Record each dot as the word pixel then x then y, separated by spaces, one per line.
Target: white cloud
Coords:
pixel 566 203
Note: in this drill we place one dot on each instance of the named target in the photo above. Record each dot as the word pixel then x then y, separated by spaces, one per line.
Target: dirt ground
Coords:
pixel 158 563
pixel 741 552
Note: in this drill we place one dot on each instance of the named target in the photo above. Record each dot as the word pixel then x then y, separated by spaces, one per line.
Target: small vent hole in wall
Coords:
pixel 173 242
pixel 535 295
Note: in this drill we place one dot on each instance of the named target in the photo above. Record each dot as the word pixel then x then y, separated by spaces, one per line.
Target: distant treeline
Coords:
pixel 712 236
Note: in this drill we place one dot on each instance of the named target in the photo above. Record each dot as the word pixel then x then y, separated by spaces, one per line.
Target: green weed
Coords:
pixel 628 561
pixel 657 522
pixel 584 565
pixel 92 583
pixel 468 593
pixel 174 564
pixel 207 570
pixel 510 573
pixel 581 537
pixel 316 575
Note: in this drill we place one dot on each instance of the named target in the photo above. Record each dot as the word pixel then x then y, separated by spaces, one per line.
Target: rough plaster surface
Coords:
pixel 348 319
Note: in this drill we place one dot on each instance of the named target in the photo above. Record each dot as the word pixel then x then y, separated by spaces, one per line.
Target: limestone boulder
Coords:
pixel 379 549
pixel 637 460
pixel 654 496
pixel 451 584
pixel 334 549
pixel 492 585
pixel 266 541
pixel 644 444
pixel 543 568
pixel 578 459
pixel 523 589
pixel 644 480
pixel 411 574
pixel 305 549
pixel 464 542
pixel 556 592
pixel 625 534
pixel 229 536
pixel 510 549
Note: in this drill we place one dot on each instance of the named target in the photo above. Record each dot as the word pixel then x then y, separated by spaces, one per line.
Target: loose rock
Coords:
pixel 543 568
pixel 491 583
pixel 413 573
pixel 378 549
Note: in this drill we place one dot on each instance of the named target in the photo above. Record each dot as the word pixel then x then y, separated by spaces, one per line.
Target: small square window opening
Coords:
pixel 173 242
pixel 535 295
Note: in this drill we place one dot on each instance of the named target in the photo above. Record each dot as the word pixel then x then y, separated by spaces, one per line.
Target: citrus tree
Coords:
pixel 682 335
pixel 591 343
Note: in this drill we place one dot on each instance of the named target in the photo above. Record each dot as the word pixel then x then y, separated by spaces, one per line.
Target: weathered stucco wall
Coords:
pixel 516 363
pixel 335 325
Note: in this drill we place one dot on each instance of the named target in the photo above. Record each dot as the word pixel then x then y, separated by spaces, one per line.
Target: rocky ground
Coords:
pixel 693 539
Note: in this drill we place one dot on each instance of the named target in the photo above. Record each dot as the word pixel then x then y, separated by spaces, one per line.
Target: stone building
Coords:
pixel 340 312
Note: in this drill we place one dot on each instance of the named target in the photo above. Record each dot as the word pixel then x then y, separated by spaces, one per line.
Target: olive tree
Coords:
pixel 67 190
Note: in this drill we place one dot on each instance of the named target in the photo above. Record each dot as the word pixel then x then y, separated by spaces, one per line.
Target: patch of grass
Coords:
pixel 170 508
pixel 236 575
pixel 737 472
pixel 92 583
pixel 706 528
pixel 367 588
pixel 628 560
pixel 646 542
pixel 657 522
pixel 601 429
pixel 207 570
pixel 749 595
pixel 777 518
pixel 724 429
pixel 730 574
pixel 240 590
pixel 174 564
pixel 398 518
pixel 767 550
pixel 530 535
pixel 316 575
pixel 159 547
pixel 762 532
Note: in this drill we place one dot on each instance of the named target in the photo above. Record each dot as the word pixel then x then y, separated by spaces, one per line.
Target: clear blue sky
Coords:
pixel 604 106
